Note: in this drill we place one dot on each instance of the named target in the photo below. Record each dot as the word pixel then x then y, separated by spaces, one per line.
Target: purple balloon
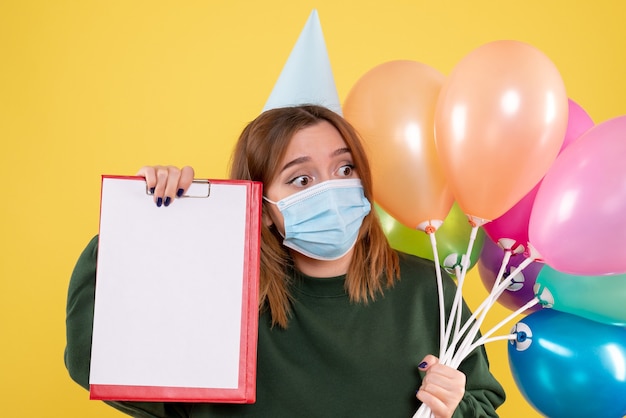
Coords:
pixel 520 292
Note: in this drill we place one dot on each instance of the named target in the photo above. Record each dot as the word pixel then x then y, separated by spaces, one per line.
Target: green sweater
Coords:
pixel 335 359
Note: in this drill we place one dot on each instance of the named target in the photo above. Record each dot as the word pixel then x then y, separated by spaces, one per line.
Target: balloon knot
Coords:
pixel 430 229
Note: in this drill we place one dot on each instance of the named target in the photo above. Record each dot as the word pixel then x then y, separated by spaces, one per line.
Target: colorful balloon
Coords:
pixel 578 122
pixel 392 106
pixel 499 124
pixel 600 298
pixel 567 366
pixel 521 291
pixel 514 223
pixel 452 238
pixel 577 223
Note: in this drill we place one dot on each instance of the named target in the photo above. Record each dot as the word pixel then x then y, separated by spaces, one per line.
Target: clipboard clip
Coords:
pixel 199 188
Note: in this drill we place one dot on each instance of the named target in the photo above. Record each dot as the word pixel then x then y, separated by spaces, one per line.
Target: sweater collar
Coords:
pixel 319 287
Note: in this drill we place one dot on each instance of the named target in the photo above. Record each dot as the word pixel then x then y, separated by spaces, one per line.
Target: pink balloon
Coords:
pixel 514 223
pixel 578 122
pixel 578 219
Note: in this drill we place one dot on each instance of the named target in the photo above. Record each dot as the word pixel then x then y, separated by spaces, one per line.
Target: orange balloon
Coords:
pixel 500 121
pixel 392 107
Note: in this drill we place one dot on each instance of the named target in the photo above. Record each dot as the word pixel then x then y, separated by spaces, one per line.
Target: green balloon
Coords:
pixel 599 298
pixel 452 238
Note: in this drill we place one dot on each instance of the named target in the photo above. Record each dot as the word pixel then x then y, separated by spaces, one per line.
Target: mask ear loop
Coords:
pixel 272 227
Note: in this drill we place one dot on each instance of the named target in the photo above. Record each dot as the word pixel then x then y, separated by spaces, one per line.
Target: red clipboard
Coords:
pixel 176 303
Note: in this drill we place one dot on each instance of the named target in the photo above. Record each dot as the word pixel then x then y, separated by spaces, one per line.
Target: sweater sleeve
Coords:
pixel 79 325
pixel 483 394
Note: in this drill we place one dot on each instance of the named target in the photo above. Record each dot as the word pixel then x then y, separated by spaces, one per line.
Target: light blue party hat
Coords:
pixel 307 77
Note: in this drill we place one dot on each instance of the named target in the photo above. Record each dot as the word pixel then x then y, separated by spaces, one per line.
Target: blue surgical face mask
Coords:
pixel 323 221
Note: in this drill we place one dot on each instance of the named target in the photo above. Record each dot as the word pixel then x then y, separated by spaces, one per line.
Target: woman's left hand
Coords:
pixel 166 182
pixel 442 387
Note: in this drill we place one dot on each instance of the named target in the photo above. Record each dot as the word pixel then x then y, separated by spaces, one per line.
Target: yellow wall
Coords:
pixel 93 87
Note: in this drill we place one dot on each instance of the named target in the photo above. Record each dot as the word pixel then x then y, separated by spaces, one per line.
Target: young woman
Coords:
pixel 347 325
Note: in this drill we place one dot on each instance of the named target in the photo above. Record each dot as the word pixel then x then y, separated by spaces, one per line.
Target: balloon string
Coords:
pixel 457 306
pixel 465 263
pixel 466 348
pixel 477 311
pixel 481 341
pixel 464 352
pixel 457 338
pixel 507 282
pixel 463 349
pixel 452 318
pixel 442 313
pixel 498 288
pixel 458 271
pixel 507 337
pixel 533 302
pixel 491 300
pixel 488 303
pixel 423 412
pixel 448 355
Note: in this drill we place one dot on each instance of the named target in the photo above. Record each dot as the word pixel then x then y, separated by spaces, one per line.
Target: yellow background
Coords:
pixel 93 87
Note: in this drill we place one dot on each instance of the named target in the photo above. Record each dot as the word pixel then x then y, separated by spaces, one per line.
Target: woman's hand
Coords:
pixel 166 182
pixel 442 387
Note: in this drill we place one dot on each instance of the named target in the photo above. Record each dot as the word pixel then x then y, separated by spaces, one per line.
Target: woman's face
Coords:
pixel 315 154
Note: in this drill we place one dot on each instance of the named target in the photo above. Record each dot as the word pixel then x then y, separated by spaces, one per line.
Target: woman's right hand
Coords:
pixel 166 182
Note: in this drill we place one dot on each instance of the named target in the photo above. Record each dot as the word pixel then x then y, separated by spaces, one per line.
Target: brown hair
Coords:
pixel 260 148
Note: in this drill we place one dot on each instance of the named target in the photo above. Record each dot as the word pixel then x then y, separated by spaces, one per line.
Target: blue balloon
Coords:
pixel 567 366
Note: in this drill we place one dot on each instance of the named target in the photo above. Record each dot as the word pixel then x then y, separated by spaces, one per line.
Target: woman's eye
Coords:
pixel 346 170
pixel 300 181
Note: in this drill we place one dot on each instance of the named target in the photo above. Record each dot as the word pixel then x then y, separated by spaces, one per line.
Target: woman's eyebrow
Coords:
pixel 340 151
pixel 296 161
pixel 305 159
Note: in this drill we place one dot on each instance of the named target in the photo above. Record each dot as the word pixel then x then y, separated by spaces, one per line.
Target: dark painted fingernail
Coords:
pixel 159 202
pixel 423 365
pixel 167 201
pixel 180 192
pixel 151 190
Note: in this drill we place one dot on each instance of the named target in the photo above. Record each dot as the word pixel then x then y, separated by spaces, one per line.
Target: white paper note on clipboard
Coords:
pixel 176 304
